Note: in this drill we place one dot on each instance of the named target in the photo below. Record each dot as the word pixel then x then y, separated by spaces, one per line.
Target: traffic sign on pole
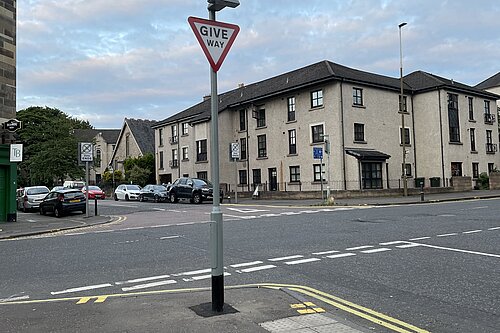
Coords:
pixel 215 38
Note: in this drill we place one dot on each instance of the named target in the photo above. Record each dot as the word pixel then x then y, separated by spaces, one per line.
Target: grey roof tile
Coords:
pixel 143 133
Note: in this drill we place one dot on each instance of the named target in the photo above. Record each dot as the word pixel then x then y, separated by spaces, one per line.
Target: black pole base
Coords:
pixel 218 293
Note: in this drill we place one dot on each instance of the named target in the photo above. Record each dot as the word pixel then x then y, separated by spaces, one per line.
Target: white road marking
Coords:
pixel 201 271
pixel 257 268
pixel 248 210
pixel 269 215
pixel 73 290
pixel 494 228
pixel 341 255
pixel 472 231
pixel 102 231
pixel 133 228
pixel 75 234
pixel 407 245
pixel 290 213
pixel 359 247
pixel 462 251
pixel 482 207
pixel 202 277
pixel 393 243
pixel 161 226
pixel 286 258
pixel 302 261
pixel 246 264
pixel 143 279
pixel 13 299
pixel 446 235
pixel 325 252
pixel 419 238
pixel 186 223
pixel 309 211
pixel 170 237
pixel 160 209
pixel 149 285
pixel 383 249
pixel 447 215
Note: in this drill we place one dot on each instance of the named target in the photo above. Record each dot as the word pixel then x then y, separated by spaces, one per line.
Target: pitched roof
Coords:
pixel 110 135
pixel 87 135
pixel 307 76
pixel 143 133
pixel 490 82
pixel 421 81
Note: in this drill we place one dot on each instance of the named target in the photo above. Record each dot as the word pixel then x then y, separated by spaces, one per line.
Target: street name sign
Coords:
pixel 215 38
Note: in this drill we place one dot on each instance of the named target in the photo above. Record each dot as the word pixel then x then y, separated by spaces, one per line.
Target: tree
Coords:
pixel 50 149
pixel 140 170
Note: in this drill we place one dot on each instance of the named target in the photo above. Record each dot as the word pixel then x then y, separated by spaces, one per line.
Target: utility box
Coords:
pixel 419 182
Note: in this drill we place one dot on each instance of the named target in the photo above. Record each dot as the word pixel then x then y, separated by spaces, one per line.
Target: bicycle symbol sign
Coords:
pixel 86 152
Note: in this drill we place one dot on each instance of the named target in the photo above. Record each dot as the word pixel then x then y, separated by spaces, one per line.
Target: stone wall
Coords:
pixel 495 181
pixel 461 184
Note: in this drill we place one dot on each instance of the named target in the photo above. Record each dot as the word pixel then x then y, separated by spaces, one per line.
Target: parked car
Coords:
pixel 30 197
pixel 155 193
pixel 78 184
pixel 95 192
pixel 127 192
pixel 61 202
pixel 194 189
pixel 57 188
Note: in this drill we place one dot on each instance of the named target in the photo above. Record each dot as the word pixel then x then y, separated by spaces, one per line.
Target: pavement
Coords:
pixel 250 308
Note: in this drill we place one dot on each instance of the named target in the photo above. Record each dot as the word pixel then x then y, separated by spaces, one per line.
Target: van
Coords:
pixel 78 184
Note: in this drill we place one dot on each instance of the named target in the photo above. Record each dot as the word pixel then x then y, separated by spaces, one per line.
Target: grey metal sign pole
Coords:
pixel 216 245
pixel 87 176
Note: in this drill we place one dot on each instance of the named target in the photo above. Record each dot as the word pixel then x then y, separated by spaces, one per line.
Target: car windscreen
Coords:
pixel 94 188
pixel 160 188
pixel 38 190
pixel 200 182
pixel 133 188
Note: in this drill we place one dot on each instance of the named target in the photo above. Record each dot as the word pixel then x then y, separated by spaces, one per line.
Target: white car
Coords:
pixel 30 197
pixel 127 192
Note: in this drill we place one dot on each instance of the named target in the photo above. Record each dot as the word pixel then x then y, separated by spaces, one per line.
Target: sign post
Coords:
pixel 215 39
pixel 86 155
pixel 318 154
pixel 235 155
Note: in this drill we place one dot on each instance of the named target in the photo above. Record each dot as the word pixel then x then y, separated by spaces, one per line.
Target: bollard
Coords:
pixel 422 192
pixel 95 206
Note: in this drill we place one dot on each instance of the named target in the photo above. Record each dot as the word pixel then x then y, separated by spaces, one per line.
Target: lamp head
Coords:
pixel 402 25
pixel 217 5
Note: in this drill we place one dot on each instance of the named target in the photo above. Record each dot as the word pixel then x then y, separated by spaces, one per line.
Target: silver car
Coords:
pixel 29 198
pixel 127 192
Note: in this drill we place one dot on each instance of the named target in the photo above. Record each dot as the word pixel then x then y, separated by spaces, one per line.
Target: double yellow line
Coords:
pixel 358 310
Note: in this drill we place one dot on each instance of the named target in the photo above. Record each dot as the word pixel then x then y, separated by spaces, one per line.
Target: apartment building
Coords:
pixel 280 122
pixel 8 169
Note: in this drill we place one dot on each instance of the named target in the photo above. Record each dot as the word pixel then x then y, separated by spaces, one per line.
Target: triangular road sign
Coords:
pixel 215 38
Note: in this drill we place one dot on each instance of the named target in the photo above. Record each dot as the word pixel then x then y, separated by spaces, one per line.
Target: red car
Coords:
pixel 94 192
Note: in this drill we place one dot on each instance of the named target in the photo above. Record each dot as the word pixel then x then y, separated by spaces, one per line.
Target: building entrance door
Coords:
pixel 273 179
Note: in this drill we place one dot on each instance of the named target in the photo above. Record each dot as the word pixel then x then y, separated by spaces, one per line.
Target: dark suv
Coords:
pixel 194 189
pixel 61 202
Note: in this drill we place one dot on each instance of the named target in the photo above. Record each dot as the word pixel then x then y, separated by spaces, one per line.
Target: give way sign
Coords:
pixel 215 38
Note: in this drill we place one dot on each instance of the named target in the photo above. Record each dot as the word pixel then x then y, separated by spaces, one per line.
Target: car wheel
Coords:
pixel 173 198
pixel 221 199
pixel 116 197
pixel 84 211
pixel 156 199
pixel 126 197
pixel 141 198
pixel 57 212
pixel 197 199
pixel 42 212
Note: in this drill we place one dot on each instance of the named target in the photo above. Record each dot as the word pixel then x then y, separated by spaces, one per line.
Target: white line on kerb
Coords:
pixel 286 258
pixel 246 264
pixel 302 261
pixel 359 247
pixel 462 251
pixel 72 290
pixel 341 255
pixel 170 237
pixel 149 285
pixel 471 231
pixel 446 235
pixel 383 249
pixel 257 268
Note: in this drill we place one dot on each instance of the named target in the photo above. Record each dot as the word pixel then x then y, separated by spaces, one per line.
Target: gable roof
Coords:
pixel 311 75
pixel 143 133
pixel 490 82
pixel 109 135
pixel 88 135
pixel 421 81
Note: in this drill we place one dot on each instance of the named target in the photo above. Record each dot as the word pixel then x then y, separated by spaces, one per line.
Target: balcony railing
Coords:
pixel 173 139
pixel 491 148
pixel 174 163
pixel 489 118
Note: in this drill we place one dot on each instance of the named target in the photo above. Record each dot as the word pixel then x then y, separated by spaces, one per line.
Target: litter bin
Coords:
pixel 419 182
pixel 435 181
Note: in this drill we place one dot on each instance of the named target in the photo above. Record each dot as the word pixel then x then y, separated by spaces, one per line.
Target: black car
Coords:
pixel 61 202
pixel 155 193
pixel 194 189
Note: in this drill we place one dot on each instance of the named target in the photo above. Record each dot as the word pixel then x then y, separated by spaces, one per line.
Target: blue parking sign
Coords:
pixel 318 153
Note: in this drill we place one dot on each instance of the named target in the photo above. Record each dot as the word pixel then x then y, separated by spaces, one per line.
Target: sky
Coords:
pixel 106 60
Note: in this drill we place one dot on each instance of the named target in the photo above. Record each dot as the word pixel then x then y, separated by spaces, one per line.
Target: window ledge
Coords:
pixel 291 121
pixel 359 106
pixel 291 155
pixel 319 107
pixel 474 152
pixel 360 142
pixel 262 158
pixel 472 120
pixel 455 143
pixel 404 112
pixel 262 127
pixel 200 162
pixel 242 130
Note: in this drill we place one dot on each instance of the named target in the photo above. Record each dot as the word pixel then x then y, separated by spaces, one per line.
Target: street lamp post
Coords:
pixel 401 109
pixel 216 235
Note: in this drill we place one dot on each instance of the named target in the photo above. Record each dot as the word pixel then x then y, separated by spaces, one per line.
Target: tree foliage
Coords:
pixel 50 149
pixel 140 170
